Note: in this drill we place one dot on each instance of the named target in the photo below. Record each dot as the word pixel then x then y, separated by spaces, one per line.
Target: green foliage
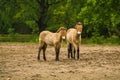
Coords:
pixel 101 18
pixel 32 25
pixel 11 31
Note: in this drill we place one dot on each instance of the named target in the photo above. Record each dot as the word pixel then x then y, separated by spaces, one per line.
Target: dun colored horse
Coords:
pixel 73 40
pixel 53 39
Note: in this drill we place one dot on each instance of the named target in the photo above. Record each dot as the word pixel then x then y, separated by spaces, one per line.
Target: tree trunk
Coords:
pixel 43 4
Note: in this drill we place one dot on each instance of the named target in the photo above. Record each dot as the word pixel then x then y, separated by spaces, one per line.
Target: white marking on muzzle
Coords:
pixel 79 33
pixel 63 37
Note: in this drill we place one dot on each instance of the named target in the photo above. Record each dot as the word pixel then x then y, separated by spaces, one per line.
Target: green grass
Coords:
pixel 18 38
pixel 113 40
pixel 102 41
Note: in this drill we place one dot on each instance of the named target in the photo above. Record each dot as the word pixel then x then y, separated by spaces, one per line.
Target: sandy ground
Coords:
pixel 18 61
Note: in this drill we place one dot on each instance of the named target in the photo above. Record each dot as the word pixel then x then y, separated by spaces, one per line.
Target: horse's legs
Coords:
pixel 74 49
pixel 40 47
pixel 39 53
pixel 69 50
pixel 78 55
pixel 44 49
pixel 74 53
pixel 57 53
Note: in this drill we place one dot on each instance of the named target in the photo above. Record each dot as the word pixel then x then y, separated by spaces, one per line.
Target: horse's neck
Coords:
pixel 77 36
pixel 59 36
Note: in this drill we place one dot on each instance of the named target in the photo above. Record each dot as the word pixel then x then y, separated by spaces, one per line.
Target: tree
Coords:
pixel 44 6
pixel 100 17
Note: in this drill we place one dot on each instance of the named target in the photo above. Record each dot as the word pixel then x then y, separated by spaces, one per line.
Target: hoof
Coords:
pixel 57 59
pixel 38 58
pixel 45 60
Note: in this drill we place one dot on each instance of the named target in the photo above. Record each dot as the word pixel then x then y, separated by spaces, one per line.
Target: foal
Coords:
pixel 73 39
pixel 52 39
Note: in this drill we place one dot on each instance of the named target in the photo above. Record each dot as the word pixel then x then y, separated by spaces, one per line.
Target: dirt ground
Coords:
pixel 18 61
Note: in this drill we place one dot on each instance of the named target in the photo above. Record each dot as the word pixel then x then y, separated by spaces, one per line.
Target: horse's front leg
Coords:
pixel 71 51
pixel 57 50
pixel 78 54
pixel 74 49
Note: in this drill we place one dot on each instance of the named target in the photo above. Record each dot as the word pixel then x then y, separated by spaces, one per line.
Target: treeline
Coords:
pixel 101 18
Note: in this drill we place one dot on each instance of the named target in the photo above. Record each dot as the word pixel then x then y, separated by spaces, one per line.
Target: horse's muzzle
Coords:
pixel 63 37
pixel 78 33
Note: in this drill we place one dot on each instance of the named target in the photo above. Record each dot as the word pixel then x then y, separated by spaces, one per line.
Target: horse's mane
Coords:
pixel 78 24
pixel 61 28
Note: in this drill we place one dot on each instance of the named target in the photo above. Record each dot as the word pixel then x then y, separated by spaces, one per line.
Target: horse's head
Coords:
pixel 79 27
pixel 62 31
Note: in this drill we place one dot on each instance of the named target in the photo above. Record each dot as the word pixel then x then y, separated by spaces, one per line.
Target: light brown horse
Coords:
pixel 73 40
pixel 53 39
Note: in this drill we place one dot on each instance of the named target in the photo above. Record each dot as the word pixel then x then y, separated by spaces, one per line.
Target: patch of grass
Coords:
pixel 113 40
pixel 18 38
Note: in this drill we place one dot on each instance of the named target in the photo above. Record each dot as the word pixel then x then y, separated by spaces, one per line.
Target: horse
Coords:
pixel 52 39
pixel 73 38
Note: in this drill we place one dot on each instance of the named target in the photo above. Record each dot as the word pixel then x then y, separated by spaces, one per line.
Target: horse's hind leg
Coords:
pixel 57 50
pixel 71 53
pixel 69 50
pixel 44 49
pixel 74 53
pixel 38 57
pixel 40 47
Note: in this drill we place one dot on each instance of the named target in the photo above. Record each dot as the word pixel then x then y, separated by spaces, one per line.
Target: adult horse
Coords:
pixel 73 40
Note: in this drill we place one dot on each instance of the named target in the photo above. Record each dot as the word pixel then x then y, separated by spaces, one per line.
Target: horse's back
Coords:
pixel 48 37
pixel 43 34
pixel 52 39
pixel 71 32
